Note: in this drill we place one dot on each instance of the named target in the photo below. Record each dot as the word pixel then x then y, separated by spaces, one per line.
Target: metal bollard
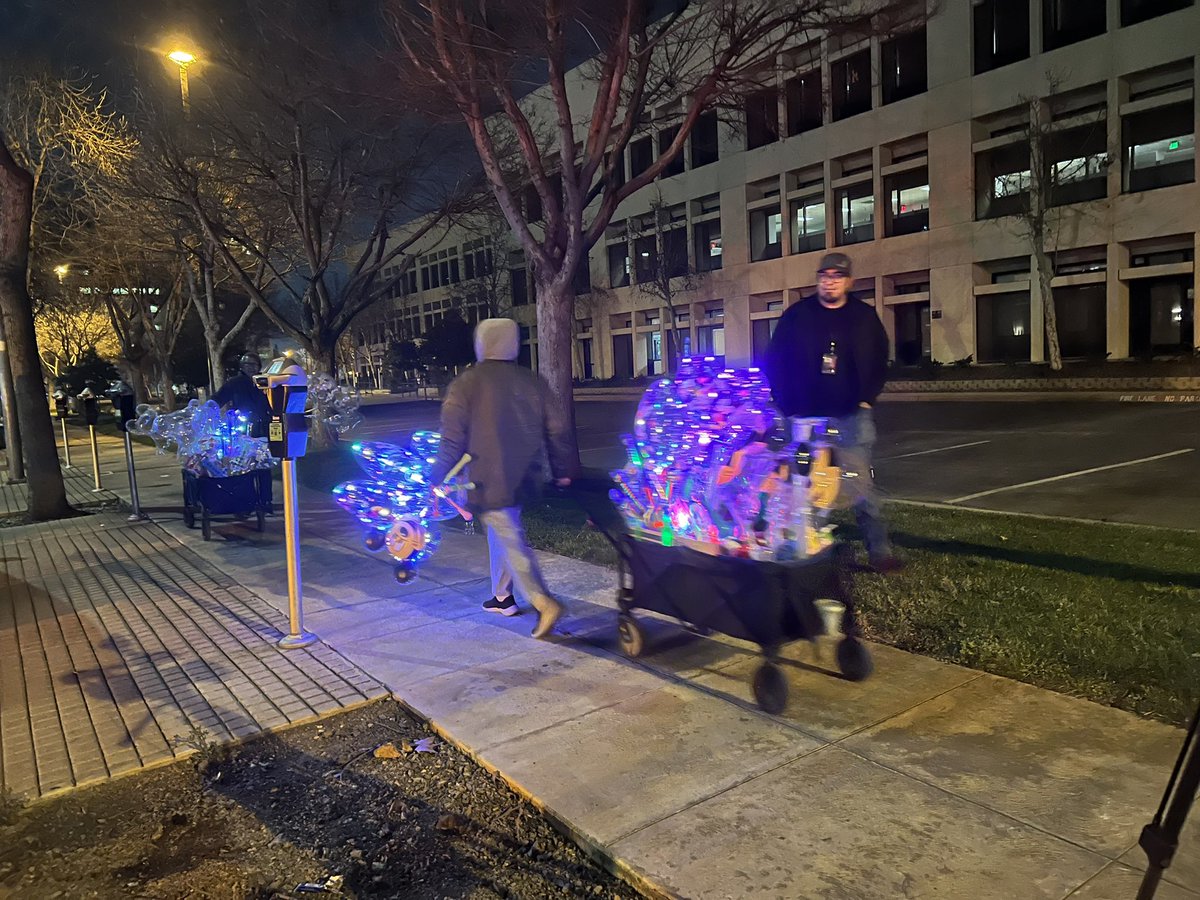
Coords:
pixel 137 515
pixel 95 460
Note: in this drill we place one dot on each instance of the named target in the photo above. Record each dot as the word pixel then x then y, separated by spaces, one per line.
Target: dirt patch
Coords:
pixel 320 805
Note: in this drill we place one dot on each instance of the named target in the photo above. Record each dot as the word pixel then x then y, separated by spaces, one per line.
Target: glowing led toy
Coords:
pixel 712 465
pixel 207 442
pixel 397 505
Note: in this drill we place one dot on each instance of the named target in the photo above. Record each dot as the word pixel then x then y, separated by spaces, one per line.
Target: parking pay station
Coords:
pixel 62 410
pixel 286 385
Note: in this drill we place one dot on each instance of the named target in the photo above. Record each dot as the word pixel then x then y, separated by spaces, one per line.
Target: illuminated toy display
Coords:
pixel 396 504
pixel 208 443
pixel 713 467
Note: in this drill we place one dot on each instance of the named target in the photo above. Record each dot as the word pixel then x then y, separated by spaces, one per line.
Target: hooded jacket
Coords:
pixel 502 414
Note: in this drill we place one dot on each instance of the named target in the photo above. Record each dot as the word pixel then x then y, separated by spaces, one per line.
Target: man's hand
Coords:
pixel 562 482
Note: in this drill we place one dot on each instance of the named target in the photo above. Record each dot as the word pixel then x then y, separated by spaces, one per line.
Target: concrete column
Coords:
pixel 877 190
pixel 1195 279
pixel 830 200
pixel 602 366
pixel 739 345
pixel 951 292
pixel 1117 296
pixel 888 320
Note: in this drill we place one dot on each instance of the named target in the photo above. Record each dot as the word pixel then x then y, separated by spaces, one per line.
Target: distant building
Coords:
pixel 910 153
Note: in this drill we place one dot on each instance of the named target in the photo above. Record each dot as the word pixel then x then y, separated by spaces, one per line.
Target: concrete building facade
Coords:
pixel 910 152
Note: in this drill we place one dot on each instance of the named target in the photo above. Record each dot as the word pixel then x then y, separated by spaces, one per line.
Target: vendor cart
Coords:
pixel 765 602
pixel 234 495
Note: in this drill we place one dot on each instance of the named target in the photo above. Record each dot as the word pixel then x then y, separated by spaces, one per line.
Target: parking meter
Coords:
pixel 91 410
pixel 286 385
pixel 123 403
pixel 61 404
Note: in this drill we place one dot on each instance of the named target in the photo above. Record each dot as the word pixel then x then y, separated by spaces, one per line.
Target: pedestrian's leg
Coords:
pixel 502 600
pixel 506 525
pixel 856 453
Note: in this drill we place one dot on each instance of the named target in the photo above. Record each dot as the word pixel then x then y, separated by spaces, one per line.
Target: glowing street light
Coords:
pixel 183 59
pixel 61 271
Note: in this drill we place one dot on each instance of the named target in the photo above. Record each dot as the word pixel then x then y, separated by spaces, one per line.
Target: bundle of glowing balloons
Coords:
pixel 397 504
pixel 711 465
pixel 208 443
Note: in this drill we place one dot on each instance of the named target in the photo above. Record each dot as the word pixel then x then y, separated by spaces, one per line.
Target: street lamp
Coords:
pixel 183 59
pixel 61 271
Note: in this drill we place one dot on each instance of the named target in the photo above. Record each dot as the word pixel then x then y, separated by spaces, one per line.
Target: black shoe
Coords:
pixel 506 607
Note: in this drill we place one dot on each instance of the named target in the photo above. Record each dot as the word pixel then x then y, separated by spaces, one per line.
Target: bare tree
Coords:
pixel 60 133
pixel 664 271
pixel 698 55
pixel 69 324
pixel 47 493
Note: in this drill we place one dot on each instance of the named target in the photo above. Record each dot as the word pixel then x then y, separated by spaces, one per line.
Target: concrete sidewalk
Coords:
pixel 927 780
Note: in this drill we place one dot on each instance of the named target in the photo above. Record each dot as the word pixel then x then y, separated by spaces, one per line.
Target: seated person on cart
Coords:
pixel 241 393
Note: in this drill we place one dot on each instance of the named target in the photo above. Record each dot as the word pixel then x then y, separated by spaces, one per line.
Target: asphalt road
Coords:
pixel 1111 461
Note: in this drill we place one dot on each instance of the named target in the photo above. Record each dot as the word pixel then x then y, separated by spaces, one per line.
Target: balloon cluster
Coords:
pixel 208 443
pixel 713 466
pixel 397 504
pixel 333 404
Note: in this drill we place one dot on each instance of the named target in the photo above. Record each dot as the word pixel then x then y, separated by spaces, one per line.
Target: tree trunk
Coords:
pixel 168 386
pixel 47 494
pixel 1049 313
pixel 8 408
pixel 216 369
pixel 554 322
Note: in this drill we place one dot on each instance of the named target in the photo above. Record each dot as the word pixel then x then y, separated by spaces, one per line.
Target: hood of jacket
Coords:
pixel 497 339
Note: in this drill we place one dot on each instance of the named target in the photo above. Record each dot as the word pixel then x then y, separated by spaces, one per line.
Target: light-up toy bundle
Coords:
pixel 208 444
pixel 397 505
pixel 712 466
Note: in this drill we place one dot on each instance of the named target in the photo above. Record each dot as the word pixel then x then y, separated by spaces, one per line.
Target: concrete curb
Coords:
pixel 608 395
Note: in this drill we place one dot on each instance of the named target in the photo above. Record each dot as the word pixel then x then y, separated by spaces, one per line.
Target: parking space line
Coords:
pixel 934 450
pixel 1025 484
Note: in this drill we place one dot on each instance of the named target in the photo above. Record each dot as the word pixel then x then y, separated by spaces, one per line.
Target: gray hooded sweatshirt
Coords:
pixel 501 413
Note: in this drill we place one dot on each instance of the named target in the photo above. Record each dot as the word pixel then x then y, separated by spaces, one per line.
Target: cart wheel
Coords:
pixel 260 516
pixel 205 524
pixel 374 541
pixel 630 636
pixel 770 688
pixel 854 659
pixel 404 574
pixel 189 517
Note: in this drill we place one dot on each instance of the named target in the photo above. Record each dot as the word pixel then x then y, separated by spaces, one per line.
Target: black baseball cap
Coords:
pixel 837 261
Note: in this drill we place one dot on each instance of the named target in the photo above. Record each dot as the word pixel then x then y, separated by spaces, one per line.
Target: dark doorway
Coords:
pixel 1161 313
pixel 912 333
pixel 622 355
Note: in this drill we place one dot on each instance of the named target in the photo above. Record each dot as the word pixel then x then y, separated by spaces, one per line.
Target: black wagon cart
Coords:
pixel 765 602
pixel 235 495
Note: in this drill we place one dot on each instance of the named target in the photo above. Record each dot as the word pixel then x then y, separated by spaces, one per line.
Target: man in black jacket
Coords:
pixel 241 393
pixel 828 359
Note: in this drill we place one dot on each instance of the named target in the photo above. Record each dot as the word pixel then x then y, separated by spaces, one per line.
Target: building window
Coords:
pixel 582 281
pixel 1161 315
pixel 1002 180
pixel 908 202
pixel 675 255
pixel 766 231
pixel 1002 327
pixel 1067 21
pixel 761 332
pixel 912 330
pixel 710 339
pixel 704 140
pixel 903 69
pixel 618 265
pixel 622 345
pixel 644 261
pixel 802 95
pixel 1078 160
pixel 665 139
pixel 762 118
pixel 808 224
pixel 585 359
pixel 1159 147
pixel 1082 321
pixel 520 286
pixel 708 245
pixel 851 85
pixel 641 156
pixel 856 214
pixel 1001 31
pixel 1134 11
pixel 533 204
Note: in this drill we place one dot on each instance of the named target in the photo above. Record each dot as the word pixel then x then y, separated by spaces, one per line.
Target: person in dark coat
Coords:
pixel 502 414
pixel 828 358
pixel 241 393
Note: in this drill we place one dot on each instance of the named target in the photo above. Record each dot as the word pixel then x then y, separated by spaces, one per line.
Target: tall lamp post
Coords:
pixel 183 59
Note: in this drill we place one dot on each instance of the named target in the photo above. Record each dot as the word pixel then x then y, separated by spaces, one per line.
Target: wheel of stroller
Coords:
pixel 404 574
pixel 630 636
pixel 374 541
pixel 770 688
pixel 854 659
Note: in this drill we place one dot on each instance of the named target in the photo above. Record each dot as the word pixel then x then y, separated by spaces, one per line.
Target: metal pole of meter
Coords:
pixel 95 460
pixel 66 445
pixel 127 411
pixel 60 410
pixel 91 414
pixel 286 386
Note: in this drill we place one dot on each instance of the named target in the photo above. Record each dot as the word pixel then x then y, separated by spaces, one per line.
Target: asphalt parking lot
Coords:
pixel 1111 461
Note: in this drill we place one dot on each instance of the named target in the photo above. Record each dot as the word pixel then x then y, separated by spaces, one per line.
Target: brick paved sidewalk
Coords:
pixel 115 638
pixel 14 498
